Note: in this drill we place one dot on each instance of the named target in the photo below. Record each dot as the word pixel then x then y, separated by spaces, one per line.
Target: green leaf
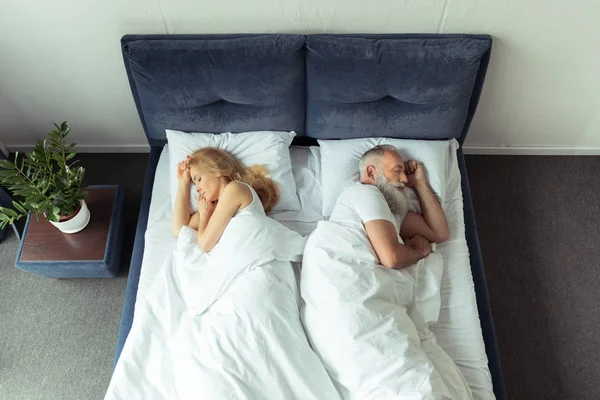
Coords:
pixel 22 192
pixel 19 207
pixel 44 206
pixel 12 179
pixel 22 185
pixel 3 224
pixel 7 164
pixel 69 156
pixel 10 212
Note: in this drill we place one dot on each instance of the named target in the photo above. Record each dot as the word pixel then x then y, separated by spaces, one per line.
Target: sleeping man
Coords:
pixel 379 206
pixel 370 283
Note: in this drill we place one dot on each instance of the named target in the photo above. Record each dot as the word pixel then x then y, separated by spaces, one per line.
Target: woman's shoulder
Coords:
pixel 237 189
pixel 237 194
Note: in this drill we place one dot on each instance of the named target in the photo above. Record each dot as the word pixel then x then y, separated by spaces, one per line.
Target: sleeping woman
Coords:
pixel 225 188
pixel 221 317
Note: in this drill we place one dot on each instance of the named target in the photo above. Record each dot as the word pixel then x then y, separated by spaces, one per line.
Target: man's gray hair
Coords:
pixel 373 157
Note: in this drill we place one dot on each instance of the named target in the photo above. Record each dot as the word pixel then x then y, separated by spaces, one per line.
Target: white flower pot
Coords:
pixel 77 223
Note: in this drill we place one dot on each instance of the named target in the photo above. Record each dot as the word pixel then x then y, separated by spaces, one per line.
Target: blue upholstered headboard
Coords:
pixel 323 86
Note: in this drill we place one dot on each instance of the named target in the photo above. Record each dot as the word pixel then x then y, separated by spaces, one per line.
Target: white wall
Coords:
pixel 60 60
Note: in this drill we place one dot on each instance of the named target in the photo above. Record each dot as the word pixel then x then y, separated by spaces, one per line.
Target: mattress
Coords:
pixel 458 329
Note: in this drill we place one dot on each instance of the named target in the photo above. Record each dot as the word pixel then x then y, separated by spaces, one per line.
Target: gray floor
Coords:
pixel 538 219
pixel 539 224
pixel 58 336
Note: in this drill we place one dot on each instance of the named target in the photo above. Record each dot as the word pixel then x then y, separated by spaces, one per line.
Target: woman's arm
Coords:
pixel 181 211
pixel 213 219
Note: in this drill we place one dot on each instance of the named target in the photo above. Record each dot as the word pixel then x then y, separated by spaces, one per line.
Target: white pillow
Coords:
pixel 267 148
pixel 339 163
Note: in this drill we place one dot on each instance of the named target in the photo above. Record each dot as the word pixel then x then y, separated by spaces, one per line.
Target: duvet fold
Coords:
pixel 370 325
pixel 224 324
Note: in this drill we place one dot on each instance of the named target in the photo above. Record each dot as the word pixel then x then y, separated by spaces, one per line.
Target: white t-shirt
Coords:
pixel 359 204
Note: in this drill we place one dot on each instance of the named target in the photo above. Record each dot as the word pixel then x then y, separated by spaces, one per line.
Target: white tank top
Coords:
pixel 254 208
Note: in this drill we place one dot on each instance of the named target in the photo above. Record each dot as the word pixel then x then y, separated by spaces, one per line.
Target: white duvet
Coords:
pixel 224 324
pixel 369 324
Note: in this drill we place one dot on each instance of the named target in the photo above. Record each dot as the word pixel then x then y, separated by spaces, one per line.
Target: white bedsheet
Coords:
pixel 458 329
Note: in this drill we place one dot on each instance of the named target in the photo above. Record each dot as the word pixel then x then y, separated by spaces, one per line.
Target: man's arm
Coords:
pixel 432 225
pixel 391 253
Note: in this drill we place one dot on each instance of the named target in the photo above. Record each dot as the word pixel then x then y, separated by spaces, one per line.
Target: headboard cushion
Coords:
pixel 393 85
pixel 217 83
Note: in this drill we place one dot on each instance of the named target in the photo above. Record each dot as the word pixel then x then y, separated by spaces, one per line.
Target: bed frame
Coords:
pixel 414 86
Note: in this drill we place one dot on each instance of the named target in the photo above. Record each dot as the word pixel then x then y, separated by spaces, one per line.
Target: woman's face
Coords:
pixel 207 185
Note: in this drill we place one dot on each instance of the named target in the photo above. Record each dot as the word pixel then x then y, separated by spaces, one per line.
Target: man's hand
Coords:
pixel 420 244
pixel 415 173
pixel 391 253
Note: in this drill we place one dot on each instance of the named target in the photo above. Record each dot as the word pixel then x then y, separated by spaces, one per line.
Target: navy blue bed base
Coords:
pixel 481 290
pixel 416 86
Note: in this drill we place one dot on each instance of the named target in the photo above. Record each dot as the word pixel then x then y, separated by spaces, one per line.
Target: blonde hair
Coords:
pixel 220 163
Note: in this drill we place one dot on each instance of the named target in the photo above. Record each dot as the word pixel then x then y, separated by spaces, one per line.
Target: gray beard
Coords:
pixel 393 194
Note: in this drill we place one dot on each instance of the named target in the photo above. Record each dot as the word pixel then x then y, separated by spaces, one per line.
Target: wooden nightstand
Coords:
pixel 92 253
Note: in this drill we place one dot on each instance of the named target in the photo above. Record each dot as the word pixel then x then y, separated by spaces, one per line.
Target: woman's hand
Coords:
pixel 206 208
pixel 181 210
pixel 183 172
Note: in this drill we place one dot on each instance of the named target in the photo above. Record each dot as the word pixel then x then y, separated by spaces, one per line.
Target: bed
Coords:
pixel 194 82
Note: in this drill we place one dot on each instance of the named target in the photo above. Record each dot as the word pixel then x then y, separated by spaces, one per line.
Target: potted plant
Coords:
pixel 46 181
